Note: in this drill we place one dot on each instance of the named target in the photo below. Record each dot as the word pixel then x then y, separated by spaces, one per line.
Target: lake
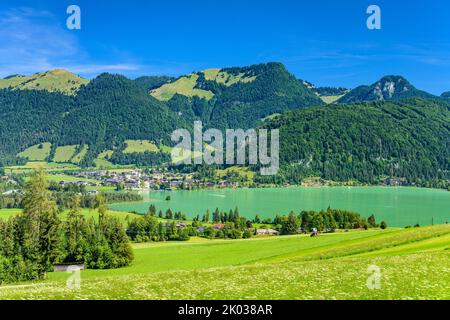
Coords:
pixel 399 207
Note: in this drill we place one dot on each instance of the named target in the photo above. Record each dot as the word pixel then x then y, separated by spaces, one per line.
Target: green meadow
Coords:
pixel 330 99
pixel 58 80
pixel 50 167
pixel 39 152
pixel 413 262
pixel 185 86
pixel 64 154
pixel 140 146
pixel 8 213
pixel 101 161
pixel 123 217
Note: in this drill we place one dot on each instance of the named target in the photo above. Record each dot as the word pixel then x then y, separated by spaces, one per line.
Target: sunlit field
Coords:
pixel 413 263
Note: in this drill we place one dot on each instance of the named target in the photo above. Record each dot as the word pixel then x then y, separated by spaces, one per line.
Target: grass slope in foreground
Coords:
pixel 414 264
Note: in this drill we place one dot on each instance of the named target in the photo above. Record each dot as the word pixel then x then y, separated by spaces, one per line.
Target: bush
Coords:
pixel 16 269
pixel 383 225
pixel 247 234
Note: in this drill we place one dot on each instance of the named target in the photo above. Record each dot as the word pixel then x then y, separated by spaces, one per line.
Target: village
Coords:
pixel 142 180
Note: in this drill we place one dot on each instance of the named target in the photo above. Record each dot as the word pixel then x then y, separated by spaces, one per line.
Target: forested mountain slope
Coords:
pixel 363 141
pixel 105 113
pixel 237 97
pixel 388 88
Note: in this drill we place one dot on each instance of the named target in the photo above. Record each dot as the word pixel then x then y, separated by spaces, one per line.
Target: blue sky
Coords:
pixel 324 42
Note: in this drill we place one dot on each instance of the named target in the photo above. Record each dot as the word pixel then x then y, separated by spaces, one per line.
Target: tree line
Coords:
pixel 230 225
pixel 63 195
pixel 323 221
pixel 36 239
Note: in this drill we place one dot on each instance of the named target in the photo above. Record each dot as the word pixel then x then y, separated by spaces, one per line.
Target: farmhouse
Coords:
pixel 68 267
pixel 10 192
pixel 267 232
pixel 180 225
pixel 201 230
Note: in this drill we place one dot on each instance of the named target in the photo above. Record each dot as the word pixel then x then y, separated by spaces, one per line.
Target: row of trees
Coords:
pixel 222 217
pixel 324 221
pixel 232 226
pixel 149 228
pixel 33 241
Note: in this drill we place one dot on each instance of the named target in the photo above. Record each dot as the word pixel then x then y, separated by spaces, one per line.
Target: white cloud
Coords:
pixel 34 41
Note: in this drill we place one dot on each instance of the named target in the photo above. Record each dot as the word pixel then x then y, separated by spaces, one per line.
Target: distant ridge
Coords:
pixel 386 89
pixel 446 95
pixel 58 80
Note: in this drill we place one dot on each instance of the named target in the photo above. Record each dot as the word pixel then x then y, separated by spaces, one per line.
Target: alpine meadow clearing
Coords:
pixel 414 264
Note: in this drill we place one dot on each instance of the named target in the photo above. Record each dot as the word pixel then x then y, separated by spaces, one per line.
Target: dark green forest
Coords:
pixel 243 105
pixel 408 139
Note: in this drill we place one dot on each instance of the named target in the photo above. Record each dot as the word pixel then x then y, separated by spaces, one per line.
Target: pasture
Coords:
pixel 413 263
pixel 64 154
pixel 123 217
pixel 38 152
pixel 185 86
pixel 47 166
pixel 140 146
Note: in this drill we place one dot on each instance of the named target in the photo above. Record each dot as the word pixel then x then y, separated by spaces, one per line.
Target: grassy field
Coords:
pixel 53 167
pixel 67 178
pixel 64 154
pixel 54 81
pixel 226 78
pixel 330 99
pixel 123 216
pixel 38 152
pixel 185 86
pixel 242 171
pixel 140 146
pixel 414 265
pixel 48 166
pixel 80 156
pixel 8 213
pixel 101 161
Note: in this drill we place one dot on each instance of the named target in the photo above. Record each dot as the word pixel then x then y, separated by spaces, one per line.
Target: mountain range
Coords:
pixel 343 129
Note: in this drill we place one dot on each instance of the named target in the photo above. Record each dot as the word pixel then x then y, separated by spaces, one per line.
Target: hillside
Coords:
pixel 236 97
pixel 327 94
pixel 153 82
pixel 386 89
pixel 103 114
pixel 58 80
pixel 190 85
pixel 446 96
pixel 28 118
pixel 331 266
pixel 112 109
pixel 364 141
